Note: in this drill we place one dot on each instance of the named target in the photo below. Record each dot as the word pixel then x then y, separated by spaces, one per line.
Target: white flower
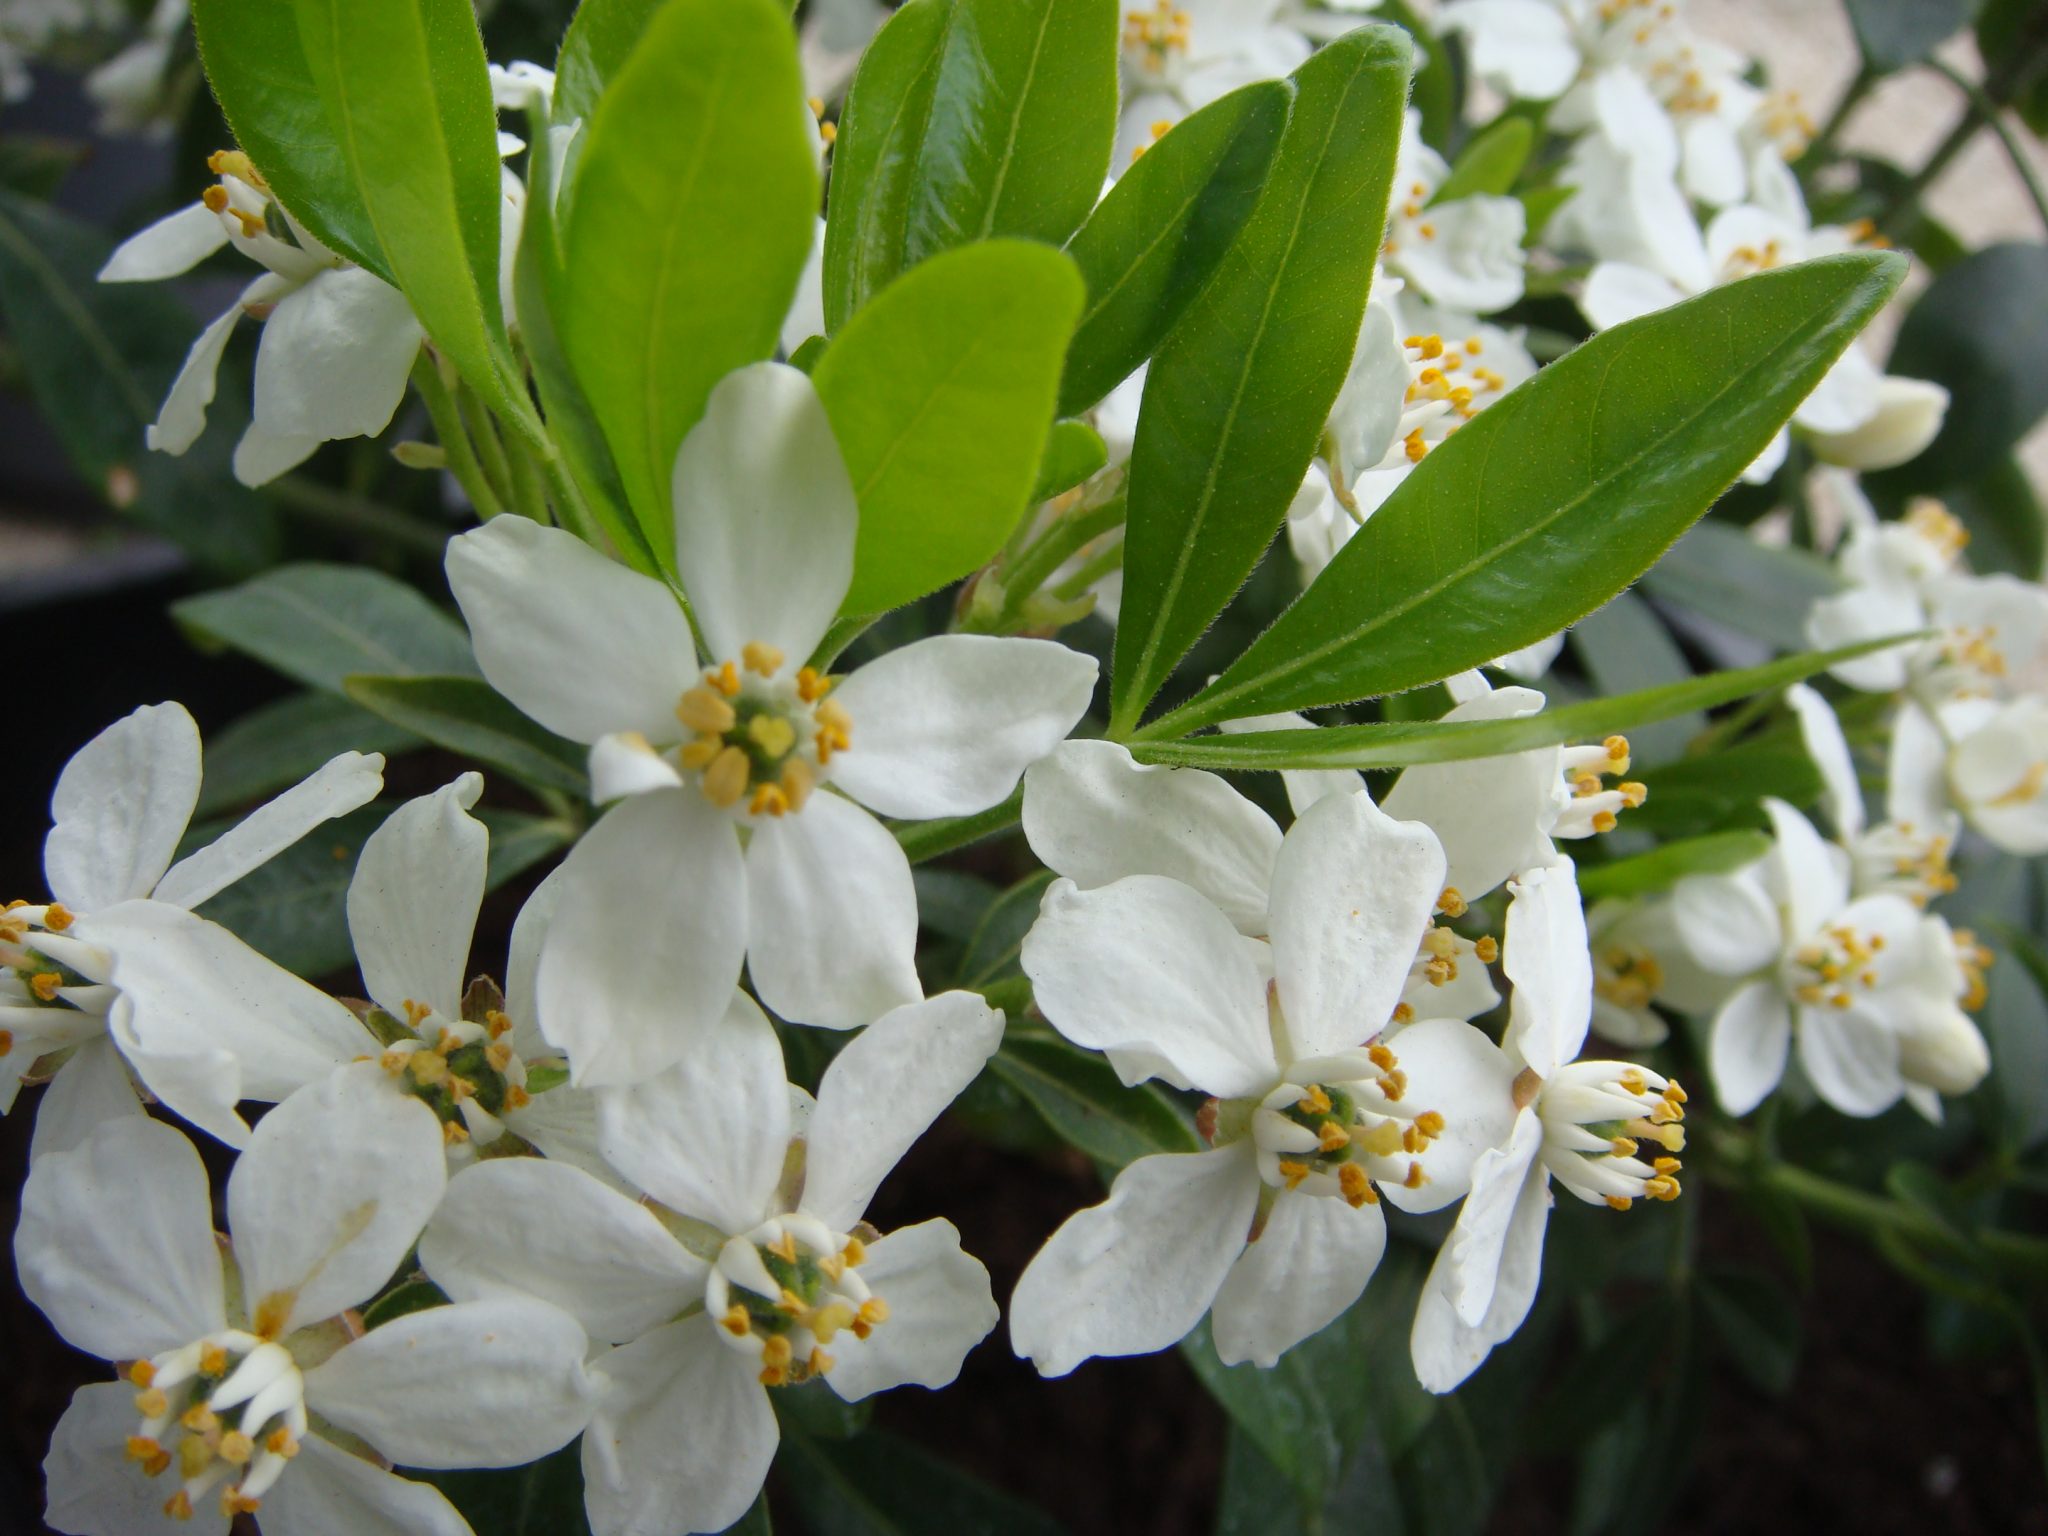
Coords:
pixel 1909 416
pixel 338 342
pixel 1180 55
pixel 1466 254
pixel 1639 959
pixel 119 933
pixel 753 1271
pixel 1525 49
pixel 130 88
pixel 1277 1228
pixel 1986 759
pixel 1545 1116
pixel 227 1374
pixel 1851 978
pixel 658 902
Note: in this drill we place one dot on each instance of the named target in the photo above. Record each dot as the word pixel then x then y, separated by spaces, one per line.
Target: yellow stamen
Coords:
pixel 45 984
pixel 760 658
pixel 1355 1186
pixel 726 779
pixel 705 710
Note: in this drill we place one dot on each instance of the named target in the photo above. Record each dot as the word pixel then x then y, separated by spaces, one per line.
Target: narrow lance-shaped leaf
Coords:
pixel 465 715
pixel 1490 163
pixel 1152 244
pixel 601 37
pixel 941 395
pixel 696 199
pixel 1545 505
pixel 968 119
pixel 1402 743
pixel 1237 397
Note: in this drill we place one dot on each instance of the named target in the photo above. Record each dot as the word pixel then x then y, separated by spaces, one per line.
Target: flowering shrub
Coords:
pixel 842 549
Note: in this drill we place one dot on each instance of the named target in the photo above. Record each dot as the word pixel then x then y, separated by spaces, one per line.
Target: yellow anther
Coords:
pixel 726 779
pixel 1415 1179
pixel 854 1252
pixel 460 1088
pixel 760 658
pixel 784 1247
pixel 699 753
pixel 1472 346
pixel 1332 1137
pixel 1393 1085
pixel 1314 1102
pixel 496 1023
pixel 826 1322
pixel 1403 1014
pixel 1633 793
pixel 736 1322
pixel 1355 1186
pixel 772 734
pixel 1663 1187
pixel 215 198
pixel 152 1403
pixel 234 1502
pixel 873 1311
pixel 154 1457
pixel 1414 446
pixel 516 1097
pixel 57 917
pixel 705 710
pixel 1381 1056
pixel 725 677
pixel 816 104
pixel 179 1505
pixel 213 1360
pixel 427 1067
pixel 1487 949
pixel 1666 1165
pixel 1674 1093
pixel 1622 1146
pixel 1633 1081
pixel 1451 903
pixel 812 685
pixel 499 1054
pixel 199 1419
pixel 45 984
pixel 790 1302
pixel 279 1442
pixel 1619 1202
pixel 142 1373
pixel 1159 129
pixel 1294 1172
pixel 1430 1124
pixel 453 1132
pixel 194 1457
pixel 1617 753
pixel 1604 821
pixel 775 1351
pixel 236 1448
pixel 393 1061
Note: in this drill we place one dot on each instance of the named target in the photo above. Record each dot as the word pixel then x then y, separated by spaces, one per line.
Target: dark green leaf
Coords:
pixel 968 119
pixel 1895 33
pixel 999 937
pixel 1719 572
pixel 923 840
pixel 1625 648
pixel 1439 92
pixel 940 393
pixel 2008 527
pixel 819 1412
pixel 696 201
pixel 755 1522
pixel 1150 246
pixel 320 623
pixel 601 36
pixel 464 715
pixel 275 746
pixel 1548 503
pixel 1073 451
pixel 879 1485
pixel 256 63
pixel 415 1294
pixel 1757 1324
pixel 950 902
pixel 1489 164
pixel 1724 788
pixel 544 1498
pixel 2015 1023
pixel 1401 743
pixel 1237 397
pixel 1663 867
pixel 1086 1105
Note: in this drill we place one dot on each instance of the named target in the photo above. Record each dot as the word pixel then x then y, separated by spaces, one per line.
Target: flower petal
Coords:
pixel 1852 1060
pixel 491 1383
pixel 1444 1348
pixel 682 1437
pixel 707 1138
pixel 645 945
pixel 334 789
pixel 831 916
pixel 1136 1272
pixel 1095 814
pixel 1829 749
pixel 1814 871
pixel 1478 1241
pixel 1493 814
pixel 1309 1264
pixel 525 1226
pixel 174 244
pixel 116 1243
pixel 413 901
pixel 260 456
pixel 945 726
pixel 1147 966
pixel 335 357
pixel 578 642
pixel 1548 958
pixel 940 1307
pixel 328 1492
pixel 333 1190
pixel 1456 1070
pixel 881 1093
pixel 522 962
pixel 1728 923
pixel 89 1090
pixel 120 806
pixel 182 416
pixel 627 763
pixel 95 1489
pixel 765 515
pixel 1746 1053
pixel 1353 890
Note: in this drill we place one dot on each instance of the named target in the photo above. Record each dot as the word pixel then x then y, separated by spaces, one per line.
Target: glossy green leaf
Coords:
pixel 940 393
pixel 1762 591
pixel 465 715
pixel 1724 789
pixel 320 623
pixel 1625 647
pixel 696 201
pixel 1895 33
pixel 1548 503
pixel 1151 245
pixel 1662 867
pixel 1073 451
pixel 968 119
pixel 1086 1105
pixel 1489 164
pixel 1237 397
pixel 273 747
pixel 879 1485
pixel 1398 744
pixel 601 37
pixel 998 938
pixel 408 99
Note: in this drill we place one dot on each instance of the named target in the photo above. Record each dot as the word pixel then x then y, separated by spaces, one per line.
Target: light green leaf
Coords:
pixel 408 98
pixel 1073 451
pixel 1489 164
pixel 1237 397
pixel 1548 503
pixel 1085 1103
pixel 1151 245
pixel 601 37
pixel 1719 572
pixel 464 715
pixel 1399 744
pixel 940 393
pixel 320 623
pixel 275 746
pixel 696 200
pixel 255 61
pixel 1663 867
pixel 968 119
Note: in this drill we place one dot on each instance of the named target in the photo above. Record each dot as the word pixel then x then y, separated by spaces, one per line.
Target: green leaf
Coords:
pixel 1895 33
pixel 1438 93
pixel 1151 245
pixel 275 746
pixel 601 37
pixel 319 624
pixel 1757 1324
pixel 1086 1105
pixel 1548 503
pixel 1663 867
pixel 543 1498
pixel 99 357
pixel 1236 399
pixel 1624 648
pixel 408 98
pixel 1980 329
pixel 1724 789
pixel 255 61
pixel 1719 572
pixel 2015 1020
pixel 2003 513
pixel 1400 744
pixel 998 939
pixel 415 1294
pixel 465 715
pixel 968 119
pixel 1073 451
pixel 696 201
pixel 940 393
pixel 1489 164
pixel 878 1485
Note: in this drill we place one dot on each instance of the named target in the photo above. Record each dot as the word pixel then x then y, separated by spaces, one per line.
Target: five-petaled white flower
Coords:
pixel 1180 55
pixel 736 752
pixel 1466 253
pixel 749 1268
pixel 233 1355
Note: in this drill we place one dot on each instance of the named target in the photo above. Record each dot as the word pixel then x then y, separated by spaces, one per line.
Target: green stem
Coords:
pixel 323 504
pixel 1097 567
pixel 529 495
pixel 1859 1210
pixel 923 840
pixel 1823 143
pixel 1907 208
pixel 490 452
pixel 844 631
pixel 454 437
pixel 1987 110
pixel 1053 550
